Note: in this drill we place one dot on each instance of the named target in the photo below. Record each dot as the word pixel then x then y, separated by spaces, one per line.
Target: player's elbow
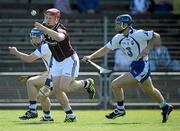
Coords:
pixel 157 40
pixel 60 37
pixel 158 37
pixel 28 60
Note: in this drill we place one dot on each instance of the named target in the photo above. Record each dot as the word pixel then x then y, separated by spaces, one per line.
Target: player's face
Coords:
pixel 120 27
pixel 117 27
pixel 36 40
pixel 50 21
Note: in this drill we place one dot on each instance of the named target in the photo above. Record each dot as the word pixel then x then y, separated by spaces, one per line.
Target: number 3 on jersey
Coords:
pixel 129 52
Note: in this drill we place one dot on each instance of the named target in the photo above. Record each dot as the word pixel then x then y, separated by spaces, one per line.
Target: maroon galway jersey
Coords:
pixel 60 49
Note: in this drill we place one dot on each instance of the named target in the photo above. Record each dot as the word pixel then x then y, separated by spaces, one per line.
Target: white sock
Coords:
pixel 71 115
pixel 121 107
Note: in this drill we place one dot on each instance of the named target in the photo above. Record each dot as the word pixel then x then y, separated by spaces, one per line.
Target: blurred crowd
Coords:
pixel 135 6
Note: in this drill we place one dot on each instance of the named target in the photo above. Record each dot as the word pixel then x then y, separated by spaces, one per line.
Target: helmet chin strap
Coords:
pixel 123 29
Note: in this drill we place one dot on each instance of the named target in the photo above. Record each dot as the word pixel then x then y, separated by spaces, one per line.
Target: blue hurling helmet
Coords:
pixel 125 18
pixel 36 33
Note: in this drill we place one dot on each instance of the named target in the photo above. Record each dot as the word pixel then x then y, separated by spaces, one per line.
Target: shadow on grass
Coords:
pixel 27 122
pixel 125 123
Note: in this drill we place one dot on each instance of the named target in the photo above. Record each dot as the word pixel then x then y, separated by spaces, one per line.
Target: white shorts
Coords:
pixel 67 67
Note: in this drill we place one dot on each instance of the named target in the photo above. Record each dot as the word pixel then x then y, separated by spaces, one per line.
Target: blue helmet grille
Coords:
pixel 36 33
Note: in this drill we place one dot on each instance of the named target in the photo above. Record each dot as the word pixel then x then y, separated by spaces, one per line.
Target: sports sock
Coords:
pixel 32 106
pixel 84 83
pixel 120 105
pixel 47 114
pixel 69 112
pixel 164 105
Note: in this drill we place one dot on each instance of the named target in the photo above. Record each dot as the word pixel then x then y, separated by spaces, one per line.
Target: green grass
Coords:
pixel 135 120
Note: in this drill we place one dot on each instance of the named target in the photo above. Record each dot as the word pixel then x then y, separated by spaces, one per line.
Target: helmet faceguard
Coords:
pixel 35 33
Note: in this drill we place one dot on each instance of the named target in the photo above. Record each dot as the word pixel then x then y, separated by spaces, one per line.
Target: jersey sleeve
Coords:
pixel 113 43
pixel 147 35
pixel 45 50
pixel 42 50
pixel 37 52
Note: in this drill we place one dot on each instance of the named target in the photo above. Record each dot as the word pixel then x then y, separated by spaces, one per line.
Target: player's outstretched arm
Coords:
pixel 23 56
pixel 53 34
pixel 99 53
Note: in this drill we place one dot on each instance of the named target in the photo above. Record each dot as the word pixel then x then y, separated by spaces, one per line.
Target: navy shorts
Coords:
pixel 140 70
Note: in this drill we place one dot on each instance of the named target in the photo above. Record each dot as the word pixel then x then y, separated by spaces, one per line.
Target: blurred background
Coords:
pixel 90 24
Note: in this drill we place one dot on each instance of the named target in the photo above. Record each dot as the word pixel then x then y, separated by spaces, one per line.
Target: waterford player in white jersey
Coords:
pixel 41 83
pixel 136 44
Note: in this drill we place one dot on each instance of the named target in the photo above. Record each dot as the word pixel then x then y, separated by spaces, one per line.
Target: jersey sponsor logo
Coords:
pixel 135 72
pixel 142 75
pixel 145 32
pixel 132 42
pixel 111 42
pixel 67 73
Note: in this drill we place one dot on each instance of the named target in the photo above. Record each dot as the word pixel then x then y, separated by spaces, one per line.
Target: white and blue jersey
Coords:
pixel 132 45
pixel 45 54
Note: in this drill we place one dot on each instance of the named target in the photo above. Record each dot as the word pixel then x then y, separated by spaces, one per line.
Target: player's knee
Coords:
pixel 42 98
pixel 154 90
pixel 29 82
pixel 66 89
pixel 58 88
pixel 114 84
pixel 55 87
pixel 149 90
pixel 65 86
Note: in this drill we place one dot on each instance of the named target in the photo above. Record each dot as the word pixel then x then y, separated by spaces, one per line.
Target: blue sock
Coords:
pixel 69 112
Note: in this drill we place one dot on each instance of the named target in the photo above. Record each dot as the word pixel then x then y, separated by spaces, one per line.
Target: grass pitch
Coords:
pixel 134 120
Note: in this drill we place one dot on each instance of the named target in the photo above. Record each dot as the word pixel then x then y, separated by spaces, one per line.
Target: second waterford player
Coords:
pixel 136 45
